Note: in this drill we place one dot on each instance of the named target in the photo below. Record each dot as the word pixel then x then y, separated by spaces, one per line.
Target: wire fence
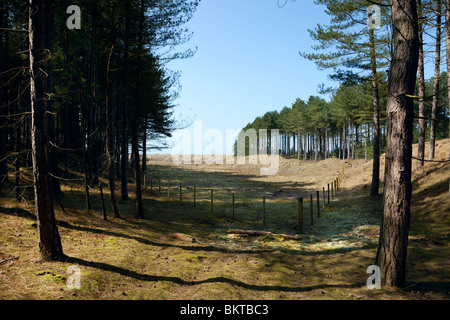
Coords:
pixel 237 204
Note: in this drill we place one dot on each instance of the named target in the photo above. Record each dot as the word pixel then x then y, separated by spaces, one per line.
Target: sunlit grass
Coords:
pixel 132 258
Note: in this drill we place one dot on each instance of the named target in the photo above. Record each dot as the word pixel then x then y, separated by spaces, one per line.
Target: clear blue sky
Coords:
pixel 247 61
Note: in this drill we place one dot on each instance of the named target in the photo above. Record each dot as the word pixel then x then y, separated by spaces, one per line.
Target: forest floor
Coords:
pixel 182 251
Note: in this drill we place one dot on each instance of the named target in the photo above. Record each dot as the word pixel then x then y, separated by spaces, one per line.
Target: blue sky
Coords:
pixel 247 62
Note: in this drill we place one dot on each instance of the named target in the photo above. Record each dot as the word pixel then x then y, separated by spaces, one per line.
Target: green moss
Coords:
pixel 51 276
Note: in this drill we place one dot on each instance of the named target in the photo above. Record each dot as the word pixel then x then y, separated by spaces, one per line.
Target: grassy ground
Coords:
pixel 129 258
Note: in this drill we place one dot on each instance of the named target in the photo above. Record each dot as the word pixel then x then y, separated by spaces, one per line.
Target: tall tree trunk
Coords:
pixel 134 125
pixel 421 82
pixel 340 143
pixel 53 157
pixel 447 40
pixel 49 240
pixel 352 126
pixel 95 106
pixel 365 143
pixel 437 68
pixel 304 147
pixel 393 241
pixel 109 135
pixel 124 108
pixel 349 155
pixel 144 146
pixel 344 140
pixel 3 151
pixel 316 145
pixel 84 144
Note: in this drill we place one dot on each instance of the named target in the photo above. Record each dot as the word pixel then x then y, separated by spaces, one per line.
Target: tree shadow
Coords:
pixel 209 248
pixel 179 281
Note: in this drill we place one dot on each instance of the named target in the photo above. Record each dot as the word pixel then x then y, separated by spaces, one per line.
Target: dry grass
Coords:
pixel 138 259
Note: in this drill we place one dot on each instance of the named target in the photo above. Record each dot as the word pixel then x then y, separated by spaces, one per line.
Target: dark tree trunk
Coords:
pixel 447 40
pixel 393 241
pixel 421 82
pixel 349 139
pixel 84 146
pixel 344 140
pixel 137 173
pixel 49 239
pixel 109 136
pixel 49 44
pixel 134 131
pixel 3 153
pixel 316 145
pixel 304 148
pixel 124 108
pixel 144 146
pixel 96 124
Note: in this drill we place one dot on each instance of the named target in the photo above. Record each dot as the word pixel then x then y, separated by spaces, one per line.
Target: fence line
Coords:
pixel 332 189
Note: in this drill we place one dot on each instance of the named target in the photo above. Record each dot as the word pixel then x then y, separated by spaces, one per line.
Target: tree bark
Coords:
pixel 393 241
pixel 49 240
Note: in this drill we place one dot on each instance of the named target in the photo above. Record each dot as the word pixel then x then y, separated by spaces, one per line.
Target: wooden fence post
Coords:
pixel 328 193
pixel 195 189
pixel 311 208
pixel 300 215
pixel 318 203
pixel 180 192
pixel 324 199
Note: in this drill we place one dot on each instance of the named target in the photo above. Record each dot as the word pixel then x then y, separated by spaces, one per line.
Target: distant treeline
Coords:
pixel 342 127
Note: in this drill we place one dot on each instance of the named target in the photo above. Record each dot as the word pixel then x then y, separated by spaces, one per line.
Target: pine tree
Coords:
pixel 356 47
pixel 393 241
pixel 49 239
